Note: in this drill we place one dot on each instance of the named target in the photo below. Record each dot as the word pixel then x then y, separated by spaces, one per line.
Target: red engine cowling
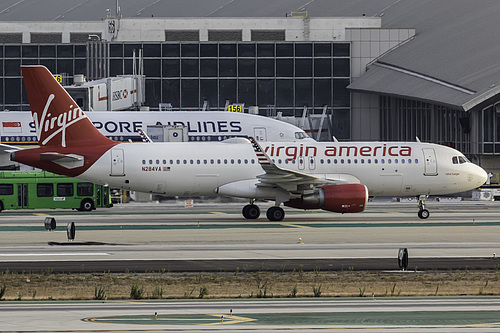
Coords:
pixel 345 198
pixel 299 204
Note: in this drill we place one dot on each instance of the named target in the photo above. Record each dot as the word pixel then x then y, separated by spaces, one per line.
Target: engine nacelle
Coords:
pixel 299 204
pixel 246 189
pixel 345 198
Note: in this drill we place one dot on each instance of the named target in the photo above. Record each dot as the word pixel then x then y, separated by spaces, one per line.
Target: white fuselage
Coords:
pixel 198 169
pixel 18 128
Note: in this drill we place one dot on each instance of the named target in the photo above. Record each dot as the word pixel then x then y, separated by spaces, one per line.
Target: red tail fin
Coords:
pixel 59 122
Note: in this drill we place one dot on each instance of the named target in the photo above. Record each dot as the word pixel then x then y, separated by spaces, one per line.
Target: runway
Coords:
pixel 302 315
pixel 140 237
pixel 119 259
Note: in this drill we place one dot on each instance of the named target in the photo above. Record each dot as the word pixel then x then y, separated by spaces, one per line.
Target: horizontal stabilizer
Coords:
pixel 69 161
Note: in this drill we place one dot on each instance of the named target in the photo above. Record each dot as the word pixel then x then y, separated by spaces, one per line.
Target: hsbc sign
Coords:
pixel 119 94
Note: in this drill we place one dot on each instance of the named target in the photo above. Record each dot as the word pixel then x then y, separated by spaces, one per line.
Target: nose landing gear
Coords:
pixel 422 212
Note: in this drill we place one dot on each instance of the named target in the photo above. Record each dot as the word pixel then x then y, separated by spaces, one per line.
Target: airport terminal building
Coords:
pixel 378 69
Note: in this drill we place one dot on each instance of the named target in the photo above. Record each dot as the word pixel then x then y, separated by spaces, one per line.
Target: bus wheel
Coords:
pixel 87 205
pixel 1 206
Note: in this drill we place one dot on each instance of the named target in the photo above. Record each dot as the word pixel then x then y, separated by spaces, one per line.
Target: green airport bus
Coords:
pixel 42 189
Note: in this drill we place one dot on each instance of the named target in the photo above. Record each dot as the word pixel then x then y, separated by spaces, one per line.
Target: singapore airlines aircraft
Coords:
pixel 18 128
pixel 334 176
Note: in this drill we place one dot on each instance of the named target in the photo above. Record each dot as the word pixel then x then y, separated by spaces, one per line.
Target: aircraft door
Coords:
pixel 117 166
pixel 260 133
pixel 430 162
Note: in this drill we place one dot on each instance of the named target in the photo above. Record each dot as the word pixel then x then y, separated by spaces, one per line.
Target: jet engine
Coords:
pixel 345 198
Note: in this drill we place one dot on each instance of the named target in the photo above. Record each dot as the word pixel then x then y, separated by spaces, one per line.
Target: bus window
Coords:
pixel 44 190
pixel 36 190
pixel 65 189
pixel 6 189
pixel 84 189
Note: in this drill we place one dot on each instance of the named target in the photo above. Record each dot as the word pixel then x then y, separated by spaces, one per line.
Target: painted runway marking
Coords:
pixel 328 320
pixel 222 213
pixel 295 225
pixel 202 319
pixel 53 254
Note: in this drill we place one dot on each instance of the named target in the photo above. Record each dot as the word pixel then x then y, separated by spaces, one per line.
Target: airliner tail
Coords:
pixel 59 121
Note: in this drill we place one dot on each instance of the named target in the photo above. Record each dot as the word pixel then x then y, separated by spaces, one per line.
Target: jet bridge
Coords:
pixel 124 92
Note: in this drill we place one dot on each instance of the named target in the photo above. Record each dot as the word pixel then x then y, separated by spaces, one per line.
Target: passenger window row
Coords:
pixel 204 161
pixel 369 161
pixel 286 161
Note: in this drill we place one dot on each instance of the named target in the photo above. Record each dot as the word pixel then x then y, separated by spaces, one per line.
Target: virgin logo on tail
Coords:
pixel 54 111
pixel 57 124
pixel 69 142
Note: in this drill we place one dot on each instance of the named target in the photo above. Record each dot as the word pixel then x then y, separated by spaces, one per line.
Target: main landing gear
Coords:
pixel 275 213
pixel 252 212
pixel 422 212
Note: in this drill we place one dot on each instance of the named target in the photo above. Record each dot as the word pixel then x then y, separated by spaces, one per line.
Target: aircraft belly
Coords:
pixel 384 184
pixel 390 184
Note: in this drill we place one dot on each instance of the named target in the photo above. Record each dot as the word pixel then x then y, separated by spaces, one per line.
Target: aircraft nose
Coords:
pixel 480 176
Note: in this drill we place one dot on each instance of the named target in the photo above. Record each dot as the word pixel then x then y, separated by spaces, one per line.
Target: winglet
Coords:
pixel 144 136
pixel 262 157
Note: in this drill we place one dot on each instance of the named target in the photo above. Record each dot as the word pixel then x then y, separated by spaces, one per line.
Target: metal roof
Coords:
pixel 455 43
pixel 393 81
pixel 88 10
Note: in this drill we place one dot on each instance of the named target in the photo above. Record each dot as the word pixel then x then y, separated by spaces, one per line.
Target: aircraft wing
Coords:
pixel 293 181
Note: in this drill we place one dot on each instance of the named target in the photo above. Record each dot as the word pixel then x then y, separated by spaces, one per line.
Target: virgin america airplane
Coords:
pixel 334 176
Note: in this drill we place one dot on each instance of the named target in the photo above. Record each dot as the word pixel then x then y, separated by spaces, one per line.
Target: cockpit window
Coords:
pixel 300 135
pixel 459 159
